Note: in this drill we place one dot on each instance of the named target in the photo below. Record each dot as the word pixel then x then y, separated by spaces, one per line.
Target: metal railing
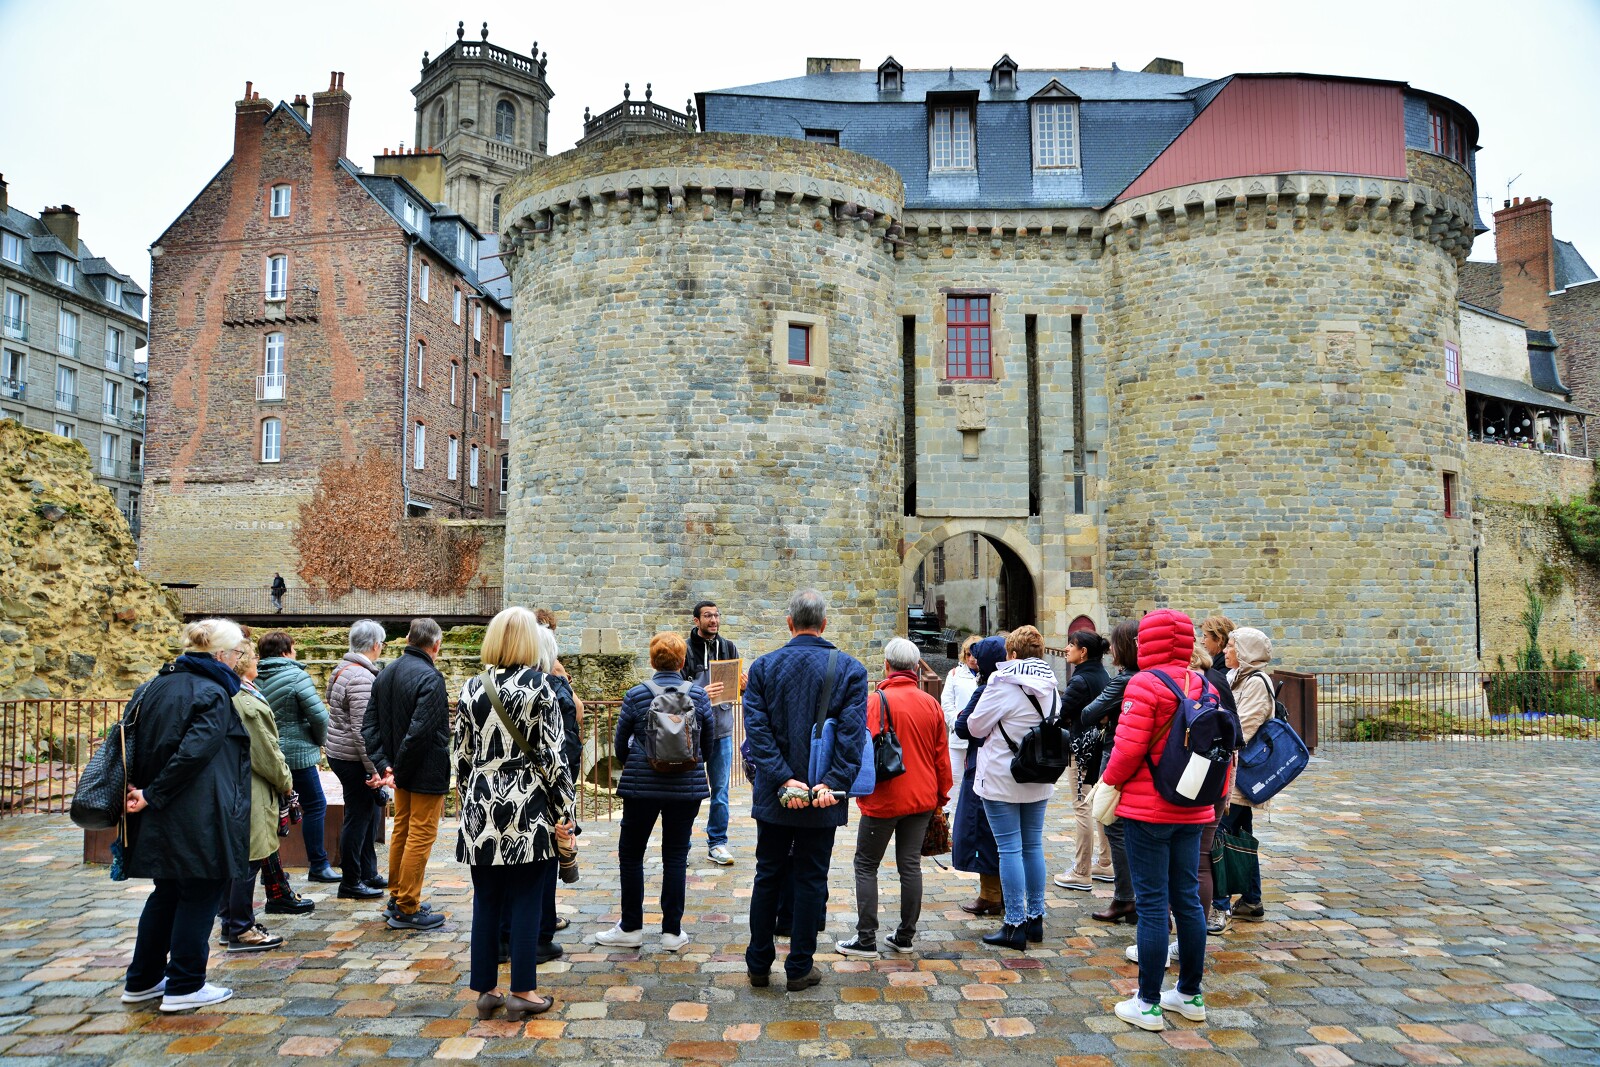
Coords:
pixel 67 344
pixel 43 747
pixel 13 388
pixel 108 468
pixel 269 386
pixel 111 413
pixel 1454 706
pixel 113 360
pixel 213 600
pixel 251 307
pixel 16 328
pixel 67 401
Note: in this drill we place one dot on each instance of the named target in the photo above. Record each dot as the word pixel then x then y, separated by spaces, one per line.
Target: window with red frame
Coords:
pixel 1445 135
pixel 799 344
pixel 966 351
pixel 1450 511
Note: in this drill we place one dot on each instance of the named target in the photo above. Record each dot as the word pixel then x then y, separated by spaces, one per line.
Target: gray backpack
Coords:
pixel 671 734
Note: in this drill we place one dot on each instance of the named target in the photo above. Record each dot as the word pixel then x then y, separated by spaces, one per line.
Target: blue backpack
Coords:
pixel 1274 757
pixel 1200 740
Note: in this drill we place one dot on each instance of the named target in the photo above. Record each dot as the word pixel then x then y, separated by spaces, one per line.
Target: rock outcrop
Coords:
pixel 76 617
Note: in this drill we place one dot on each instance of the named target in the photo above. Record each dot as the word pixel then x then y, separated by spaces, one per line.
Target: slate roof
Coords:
pixel 37 242
pixel 1571 268
pixel 1480 285
pixel 1543 370
pixel 861 87
pixel 1517 392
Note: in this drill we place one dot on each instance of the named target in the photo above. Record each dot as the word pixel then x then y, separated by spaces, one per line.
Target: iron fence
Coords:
pixel 43 747
pixel 214 600
pixel 1350 708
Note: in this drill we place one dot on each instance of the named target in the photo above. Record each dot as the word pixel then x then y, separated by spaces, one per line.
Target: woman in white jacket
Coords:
pixel 1018 696
pixel 958 687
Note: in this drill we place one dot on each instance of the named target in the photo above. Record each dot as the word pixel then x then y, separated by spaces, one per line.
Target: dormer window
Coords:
pixel 1446 135
pixel 1055 127
pixel 114 291
pixel 891 76
pixel 1003 76
pixel 950 126
pixel 66 271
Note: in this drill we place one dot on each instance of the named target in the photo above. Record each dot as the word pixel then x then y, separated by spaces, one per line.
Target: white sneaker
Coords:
pixel 1191 1008
pixel 721 856
pixel 673 942
pixel 1132 953
pixel 203 997
pixel 1067 880
pixel 617 937
pixel 1144 1016
pixel 130 997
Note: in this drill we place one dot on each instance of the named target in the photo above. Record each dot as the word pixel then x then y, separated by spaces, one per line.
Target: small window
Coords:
pixel 1450 508
pixel 938 565
pixel 66 388
pixel 1055 134
pixel 472 468
pixel 823 136
pixel 1452 365
pixel 505 474
pixel 419 446
pixel 505 408
pixel 408 211
pixel 452 458
pixel 1445 135
pixel 477 322
pixel 66 271
pixel 422 360
pixel 455 311
pixel 109 443
pixel 111 398
pixel 455 370
pixel 280 202
pixel 461 243
pixel 505 121
pixel 271 440
pixel 67 334
pixel 474 392
pixel 438 124
pixel 505 337
pixel 494 212
pixel 113 348
pixel 799 344
pixel 64 429
pixel 952 138
pixel 422 287
pixel 11 247
pixel 891 76
pixel 277 277
pixel 113 291
pixel 16 315
pixel 272 364
pixel 967 337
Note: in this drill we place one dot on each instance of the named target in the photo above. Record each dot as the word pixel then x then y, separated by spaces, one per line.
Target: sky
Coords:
pixel 125 110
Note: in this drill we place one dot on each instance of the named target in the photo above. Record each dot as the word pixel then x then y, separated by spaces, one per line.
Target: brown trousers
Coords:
pixel 416 825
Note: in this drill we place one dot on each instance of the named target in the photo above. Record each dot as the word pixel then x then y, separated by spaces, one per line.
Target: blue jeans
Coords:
pixel 719 765
pixel 1019 835
pixel 1165 861
pixel 1241 817
pixel 313 807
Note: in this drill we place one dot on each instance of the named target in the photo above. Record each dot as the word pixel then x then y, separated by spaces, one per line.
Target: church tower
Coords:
pixel 487 109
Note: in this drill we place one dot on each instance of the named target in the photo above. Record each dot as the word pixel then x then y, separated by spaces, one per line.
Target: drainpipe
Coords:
pixel 1477 603
pixel 405 387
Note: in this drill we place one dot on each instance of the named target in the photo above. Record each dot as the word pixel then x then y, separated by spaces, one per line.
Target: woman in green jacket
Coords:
pixel 269 779
pixel 302 731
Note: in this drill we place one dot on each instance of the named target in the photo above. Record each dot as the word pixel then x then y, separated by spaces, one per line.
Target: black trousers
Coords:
pixel 238 904
pixel 511 894
pixel 358 856
pixel 639 817
pixel 800 854
pixel 174 930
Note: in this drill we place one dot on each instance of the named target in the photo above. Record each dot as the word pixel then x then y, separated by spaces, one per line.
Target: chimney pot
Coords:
pixel 247 87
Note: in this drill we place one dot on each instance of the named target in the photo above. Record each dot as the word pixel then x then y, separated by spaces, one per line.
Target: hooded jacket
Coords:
pixel 348 693
pixel 1253 692
pixel 1166 641
pixel 1005 711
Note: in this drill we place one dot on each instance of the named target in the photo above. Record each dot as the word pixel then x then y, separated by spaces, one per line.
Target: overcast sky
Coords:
pixel 125 110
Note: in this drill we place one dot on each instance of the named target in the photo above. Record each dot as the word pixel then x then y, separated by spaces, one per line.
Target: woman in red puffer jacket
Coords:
pixel 1163 839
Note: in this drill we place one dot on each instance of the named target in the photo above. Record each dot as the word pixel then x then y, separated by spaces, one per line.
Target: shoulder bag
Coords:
pixel 888 761
pixel 100 800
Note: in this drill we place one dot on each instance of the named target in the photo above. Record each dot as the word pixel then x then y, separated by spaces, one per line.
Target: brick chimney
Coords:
pixel 4 199
pixel 1524 243
pixel 330 120
pixel 63 222
pixel 301 106
pixel 249 116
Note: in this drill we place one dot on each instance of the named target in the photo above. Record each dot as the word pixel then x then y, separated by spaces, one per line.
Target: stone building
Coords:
pixel 487 110
pixel 304 311
pixel 73 323
pixel 1159 340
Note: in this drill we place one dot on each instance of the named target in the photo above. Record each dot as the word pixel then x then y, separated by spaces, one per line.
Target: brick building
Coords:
pixel 305 311
pixel 72 325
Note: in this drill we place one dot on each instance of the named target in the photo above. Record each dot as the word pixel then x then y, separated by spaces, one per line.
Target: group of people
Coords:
pixel 220 763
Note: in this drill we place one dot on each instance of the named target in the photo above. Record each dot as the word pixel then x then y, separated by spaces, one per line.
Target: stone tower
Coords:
pixel 487 109
pixel 709 403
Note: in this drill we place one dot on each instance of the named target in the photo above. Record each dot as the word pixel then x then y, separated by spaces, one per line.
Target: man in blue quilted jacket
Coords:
pixel 796 819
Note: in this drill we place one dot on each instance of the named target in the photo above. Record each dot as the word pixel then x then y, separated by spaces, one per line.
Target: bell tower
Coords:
pixel 487 110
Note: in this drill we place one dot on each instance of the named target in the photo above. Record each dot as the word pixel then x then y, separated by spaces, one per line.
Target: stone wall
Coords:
pixel 1519 544
pixel 1281 422
pixel 76 618
pixel 664 447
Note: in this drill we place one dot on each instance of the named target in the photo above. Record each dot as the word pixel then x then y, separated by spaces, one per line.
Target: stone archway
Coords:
pixel 1022 567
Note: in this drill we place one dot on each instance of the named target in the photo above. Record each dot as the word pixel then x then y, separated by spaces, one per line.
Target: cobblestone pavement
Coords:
pixel 1437 906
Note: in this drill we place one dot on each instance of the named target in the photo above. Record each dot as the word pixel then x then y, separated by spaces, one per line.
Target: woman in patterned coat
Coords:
pixel 516 800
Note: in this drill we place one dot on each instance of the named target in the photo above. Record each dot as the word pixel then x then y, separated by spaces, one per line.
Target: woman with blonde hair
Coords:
pixel 516 801
pixel 188 814
pixel 270 778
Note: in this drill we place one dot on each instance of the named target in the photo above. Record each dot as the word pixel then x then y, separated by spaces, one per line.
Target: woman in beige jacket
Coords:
pixel 269 780
pixel 1248 653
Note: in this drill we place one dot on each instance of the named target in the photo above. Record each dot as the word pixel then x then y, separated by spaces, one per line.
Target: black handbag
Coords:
pixel 1043 754
pixel 100 800
pixel 887 757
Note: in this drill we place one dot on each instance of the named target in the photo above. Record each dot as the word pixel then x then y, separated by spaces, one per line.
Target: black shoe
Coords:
pixel 393 907
pixel 417 920
pixel 805 981
pixel 325 873
pixel 295 905
pixel 549 951
pixel 1008 936
pixel 377 881
pixel 760 980
pixel 1033 929
pixel 359 891
pixel 1250 913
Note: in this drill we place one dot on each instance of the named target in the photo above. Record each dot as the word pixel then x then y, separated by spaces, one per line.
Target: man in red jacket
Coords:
pixel 1163 839
pixel 901 806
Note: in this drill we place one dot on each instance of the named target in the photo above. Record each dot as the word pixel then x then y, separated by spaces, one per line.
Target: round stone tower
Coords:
pixel 706 387
pixel 1287 442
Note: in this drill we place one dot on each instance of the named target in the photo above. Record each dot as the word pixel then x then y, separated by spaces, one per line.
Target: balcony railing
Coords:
pixel 67 401
pixel 113 360
pixel 112 413
pixel 136 418
pixel 13 389
pixel 108 468
pixel 257 307
pixel 17 328
pixel 269 387
pixel 67 344
pixel 638 111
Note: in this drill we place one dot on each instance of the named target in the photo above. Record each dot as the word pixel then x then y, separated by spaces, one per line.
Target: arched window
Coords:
pixel 438 125
pixel 494 224
pixel 271 440
pixel 505 121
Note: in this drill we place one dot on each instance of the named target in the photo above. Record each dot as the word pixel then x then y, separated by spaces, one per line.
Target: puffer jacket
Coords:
pixel 269 774
pixel 639 779
pixel 1004 706
pixel 348 693
pixel 1255 696
pixel 302 717
pixel 1166 641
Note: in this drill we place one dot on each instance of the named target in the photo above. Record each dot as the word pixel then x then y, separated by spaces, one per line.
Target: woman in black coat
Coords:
pixel 1085 650
pixel 973 848
pixel 188 814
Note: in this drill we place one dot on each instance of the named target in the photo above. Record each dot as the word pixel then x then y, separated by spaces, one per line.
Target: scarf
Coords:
pixel 203 663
